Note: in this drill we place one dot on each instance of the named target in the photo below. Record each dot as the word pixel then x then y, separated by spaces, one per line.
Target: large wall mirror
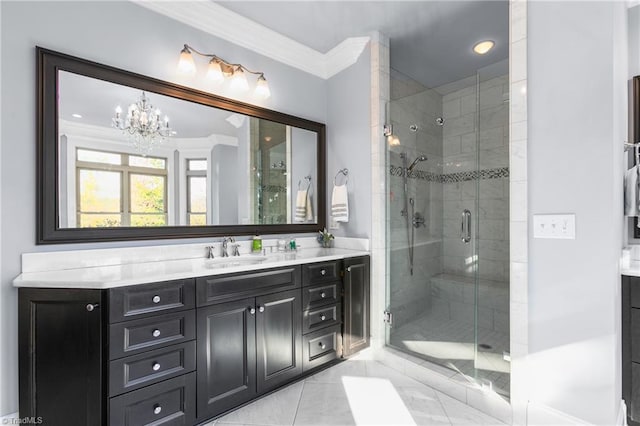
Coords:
pixel 122 156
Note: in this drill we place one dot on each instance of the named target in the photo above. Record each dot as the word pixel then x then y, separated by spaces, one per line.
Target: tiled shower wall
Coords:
pixel 460 155
pixel 414 104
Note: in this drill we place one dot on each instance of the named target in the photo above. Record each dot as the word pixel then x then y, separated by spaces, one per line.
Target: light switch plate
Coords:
pixel 554 226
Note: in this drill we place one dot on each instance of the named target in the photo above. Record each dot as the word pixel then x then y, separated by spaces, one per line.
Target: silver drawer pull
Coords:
pixel 323 272
pixel 92 306
pixel 156 366
pixel 322 345
pixel 156 333
pixel 323 295
pixel 261 308
pixel 252 310
pixel 157 409
pixel 156 299
pixel 322 317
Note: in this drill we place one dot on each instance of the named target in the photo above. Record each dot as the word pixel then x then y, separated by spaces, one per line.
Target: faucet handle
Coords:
pixel 236 250
pixel 210 254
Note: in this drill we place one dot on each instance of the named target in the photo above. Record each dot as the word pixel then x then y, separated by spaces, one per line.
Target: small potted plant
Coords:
pixel 325 238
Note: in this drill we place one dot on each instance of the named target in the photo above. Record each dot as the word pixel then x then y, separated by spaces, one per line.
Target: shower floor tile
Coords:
pixel 451 343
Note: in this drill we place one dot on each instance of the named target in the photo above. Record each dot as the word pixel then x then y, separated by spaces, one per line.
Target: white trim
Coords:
pixel 194 154
pixel 540 414
pixel 221 22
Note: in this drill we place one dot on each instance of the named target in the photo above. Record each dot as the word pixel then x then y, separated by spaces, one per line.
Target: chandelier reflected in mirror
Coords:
pixel 143 125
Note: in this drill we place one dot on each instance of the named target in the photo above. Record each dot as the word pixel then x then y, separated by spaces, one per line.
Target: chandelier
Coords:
pixel 219 69
pixel 143 125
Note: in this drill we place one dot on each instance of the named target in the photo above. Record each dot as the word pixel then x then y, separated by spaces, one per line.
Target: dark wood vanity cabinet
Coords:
pixel 247 347
pixel 631 348
pixel 182 352
pixel 356 334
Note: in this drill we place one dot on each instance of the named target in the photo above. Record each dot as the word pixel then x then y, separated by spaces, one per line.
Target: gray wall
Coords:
pixel 576 110
pixel 303 163
pixel 123 35
pixel 224 170
pixel 634 70
pixel 349 142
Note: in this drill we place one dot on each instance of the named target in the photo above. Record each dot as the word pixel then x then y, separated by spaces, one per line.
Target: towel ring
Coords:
pixel 345 172
pixel 307 178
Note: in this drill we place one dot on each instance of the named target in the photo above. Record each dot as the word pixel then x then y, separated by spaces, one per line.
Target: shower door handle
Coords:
pixel 466 226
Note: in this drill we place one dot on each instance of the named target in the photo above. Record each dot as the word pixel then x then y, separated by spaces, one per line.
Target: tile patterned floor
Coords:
pixel 357 392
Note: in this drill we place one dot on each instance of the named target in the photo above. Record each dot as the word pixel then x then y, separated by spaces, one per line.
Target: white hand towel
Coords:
pixel 631 198
pixel 340 203
pixel 303 206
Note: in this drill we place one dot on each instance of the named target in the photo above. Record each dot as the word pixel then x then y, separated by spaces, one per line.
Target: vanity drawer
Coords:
pixel 138 301
pixel 172 402
pixel 323 272
pixel 314 319
pixel 321 347
pixel 320 295
pixel 220 288
pixel 134 372
pixel 132 337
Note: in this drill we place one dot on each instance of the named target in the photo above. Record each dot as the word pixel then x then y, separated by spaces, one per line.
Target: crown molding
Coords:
pixel 221 22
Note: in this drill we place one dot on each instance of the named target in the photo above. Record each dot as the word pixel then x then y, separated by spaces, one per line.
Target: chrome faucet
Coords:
pixel 210 252
pixel 225 241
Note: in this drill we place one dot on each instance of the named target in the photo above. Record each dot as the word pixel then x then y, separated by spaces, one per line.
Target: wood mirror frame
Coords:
pixel 48 230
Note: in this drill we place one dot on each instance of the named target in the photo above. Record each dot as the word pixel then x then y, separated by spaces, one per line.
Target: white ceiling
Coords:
pixel 430 41
pixel 95 100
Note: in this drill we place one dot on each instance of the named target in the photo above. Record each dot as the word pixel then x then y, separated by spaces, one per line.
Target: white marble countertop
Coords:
pixel 109 276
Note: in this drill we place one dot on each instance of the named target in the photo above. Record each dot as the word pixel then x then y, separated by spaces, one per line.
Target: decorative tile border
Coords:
pixel 502 172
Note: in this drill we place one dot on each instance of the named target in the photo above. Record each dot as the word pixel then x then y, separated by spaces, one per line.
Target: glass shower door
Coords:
pixel 447 232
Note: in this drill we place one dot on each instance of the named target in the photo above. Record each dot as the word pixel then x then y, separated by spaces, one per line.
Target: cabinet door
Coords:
pixel 226 356
pixel 356 305
pixel 59 335
pixel 279 338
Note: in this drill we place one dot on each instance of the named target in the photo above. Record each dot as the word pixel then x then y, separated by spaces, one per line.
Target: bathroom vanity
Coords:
pixel 186 350
pixel 631 345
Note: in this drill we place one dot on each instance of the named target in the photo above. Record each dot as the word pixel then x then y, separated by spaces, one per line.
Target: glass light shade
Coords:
pixel 214 73
pixel 186 65
pixel 483 47
pixel 262 88
pixel 239 80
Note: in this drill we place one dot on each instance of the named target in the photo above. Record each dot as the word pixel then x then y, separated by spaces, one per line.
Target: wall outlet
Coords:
pixel 554 226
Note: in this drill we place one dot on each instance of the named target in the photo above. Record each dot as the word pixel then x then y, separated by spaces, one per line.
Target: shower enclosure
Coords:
pixel 448 227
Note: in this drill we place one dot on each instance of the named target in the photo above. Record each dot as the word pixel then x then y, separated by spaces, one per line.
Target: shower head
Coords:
pixel 415 162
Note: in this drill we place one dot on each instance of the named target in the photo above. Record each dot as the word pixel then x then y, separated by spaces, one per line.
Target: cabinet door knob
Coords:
pixel 322 345
pixel 156 299
pixel 322 317
pixel 156 333
pixel 157 409
pixel 349 269
pixel 323 295
pixel 156 366
pixel 252 310
pixel 261 308
pixel 92 306
pixel 323 272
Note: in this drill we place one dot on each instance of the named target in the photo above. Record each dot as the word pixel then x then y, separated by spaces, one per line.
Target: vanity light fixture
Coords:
pixel 143 125
pixel 219 70
pixel 483 47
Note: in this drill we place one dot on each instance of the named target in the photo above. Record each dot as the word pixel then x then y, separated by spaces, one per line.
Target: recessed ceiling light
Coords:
pixel 76 115
pixel 483 47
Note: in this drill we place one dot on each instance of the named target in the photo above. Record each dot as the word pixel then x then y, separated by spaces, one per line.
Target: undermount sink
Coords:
pixel 225 262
